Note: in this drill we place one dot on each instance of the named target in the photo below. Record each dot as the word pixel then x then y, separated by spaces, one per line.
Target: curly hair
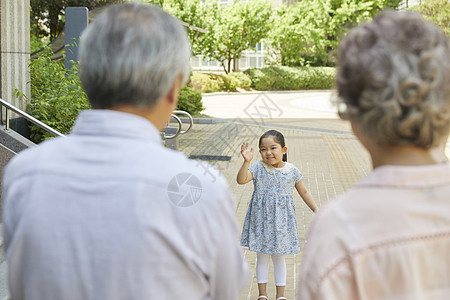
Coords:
pixel 393 80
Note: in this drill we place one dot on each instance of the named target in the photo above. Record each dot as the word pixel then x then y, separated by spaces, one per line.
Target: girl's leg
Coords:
pixel 280 291
pixel 262 272
pixel 262 289
pixel 279 268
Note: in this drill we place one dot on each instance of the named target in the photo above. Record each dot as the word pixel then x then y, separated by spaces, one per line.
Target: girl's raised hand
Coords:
pixel 246 153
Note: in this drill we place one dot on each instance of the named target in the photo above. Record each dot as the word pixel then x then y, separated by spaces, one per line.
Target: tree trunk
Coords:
pixel 224 67
pixel 235 64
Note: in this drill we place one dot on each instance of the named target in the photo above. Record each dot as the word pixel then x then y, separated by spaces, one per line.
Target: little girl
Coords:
pixel 270 226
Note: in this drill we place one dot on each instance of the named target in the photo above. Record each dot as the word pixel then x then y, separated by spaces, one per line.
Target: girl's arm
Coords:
pixel 244 175
pixel 306 195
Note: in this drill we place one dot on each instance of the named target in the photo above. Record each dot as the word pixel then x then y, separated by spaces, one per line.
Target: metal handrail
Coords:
pixel 179 131
pixel 26 116
pixel 168 137
pixel 57 133
pixel 191 120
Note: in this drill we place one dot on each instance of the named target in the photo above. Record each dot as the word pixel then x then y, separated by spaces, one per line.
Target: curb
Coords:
pixel 204 120
pixel 266 92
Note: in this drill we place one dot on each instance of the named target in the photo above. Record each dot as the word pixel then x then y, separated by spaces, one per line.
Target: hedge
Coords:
pixel 210 83
pixel 292 78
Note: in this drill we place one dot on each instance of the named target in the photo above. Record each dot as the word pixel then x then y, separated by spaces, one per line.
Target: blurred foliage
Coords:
pixel 436 11
pixel 190 101
pixel 292 78
pixel 308 32
pixel 265 79
pixel 230 29
pixel 210 83
pixel 192 12
pixel 37 41
pixel 236 27
pixel 47 16
pixel 56 95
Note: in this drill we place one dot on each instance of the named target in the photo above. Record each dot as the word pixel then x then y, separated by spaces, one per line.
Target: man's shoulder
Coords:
pixel 27 160
pixel 206 171
pixel 199 181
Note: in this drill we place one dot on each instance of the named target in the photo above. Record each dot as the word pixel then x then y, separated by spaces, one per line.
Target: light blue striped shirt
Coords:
pixel 109 213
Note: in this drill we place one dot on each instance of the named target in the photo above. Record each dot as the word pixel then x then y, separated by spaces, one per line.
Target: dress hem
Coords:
pixel 271 252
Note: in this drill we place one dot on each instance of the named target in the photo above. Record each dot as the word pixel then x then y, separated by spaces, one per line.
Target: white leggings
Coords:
pixel 262 268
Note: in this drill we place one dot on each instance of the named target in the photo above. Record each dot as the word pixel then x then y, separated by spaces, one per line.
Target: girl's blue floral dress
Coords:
pixel 270 225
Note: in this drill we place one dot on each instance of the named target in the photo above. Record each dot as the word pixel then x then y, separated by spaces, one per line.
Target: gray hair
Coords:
pixel 131 54
pixel 393 80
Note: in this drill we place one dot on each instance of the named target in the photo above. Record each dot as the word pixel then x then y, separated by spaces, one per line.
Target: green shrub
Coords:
pixel 56 96
pixel 437 11
pixel 244 81
pixel 37 41
pixel 292 78
pixel 206 83
pixel 229 83
pixel 210 83
pixel 190 101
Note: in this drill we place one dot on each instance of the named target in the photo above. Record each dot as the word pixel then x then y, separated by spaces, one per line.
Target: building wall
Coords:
pixel 249 59
pixel 14 49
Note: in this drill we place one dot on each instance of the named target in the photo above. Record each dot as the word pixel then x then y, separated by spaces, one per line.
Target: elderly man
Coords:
pixel 108 212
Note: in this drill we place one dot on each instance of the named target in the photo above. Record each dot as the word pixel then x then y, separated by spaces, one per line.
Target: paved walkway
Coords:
pixel 321 146
pixel 282 104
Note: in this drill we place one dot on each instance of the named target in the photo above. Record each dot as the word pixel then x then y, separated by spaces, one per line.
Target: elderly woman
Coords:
pixel 388 237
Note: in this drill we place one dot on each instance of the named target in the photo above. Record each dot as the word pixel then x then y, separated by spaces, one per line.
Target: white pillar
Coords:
pixel 14 50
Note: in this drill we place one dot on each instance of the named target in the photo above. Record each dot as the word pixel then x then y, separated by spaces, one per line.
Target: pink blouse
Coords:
pixel 388 237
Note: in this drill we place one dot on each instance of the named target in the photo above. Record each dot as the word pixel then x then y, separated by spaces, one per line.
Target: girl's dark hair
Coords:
pixel 278 137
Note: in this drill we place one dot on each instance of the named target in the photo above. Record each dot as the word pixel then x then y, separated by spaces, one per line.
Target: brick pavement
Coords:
pixel 326 152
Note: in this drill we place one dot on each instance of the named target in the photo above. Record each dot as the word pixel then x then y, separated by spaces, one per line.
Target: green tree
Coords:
pixel 437 11
pixel 37 41
pixel 308 32
pixel 299 32
pixel 235 28
pixel 195 14
pixel 48 15
pixel 349 14
pixel 393 4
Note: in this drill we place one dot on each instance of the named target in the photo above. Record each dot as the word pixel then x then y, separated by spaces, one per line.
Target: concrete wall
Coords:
pixel 5 156
pixel 14 50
